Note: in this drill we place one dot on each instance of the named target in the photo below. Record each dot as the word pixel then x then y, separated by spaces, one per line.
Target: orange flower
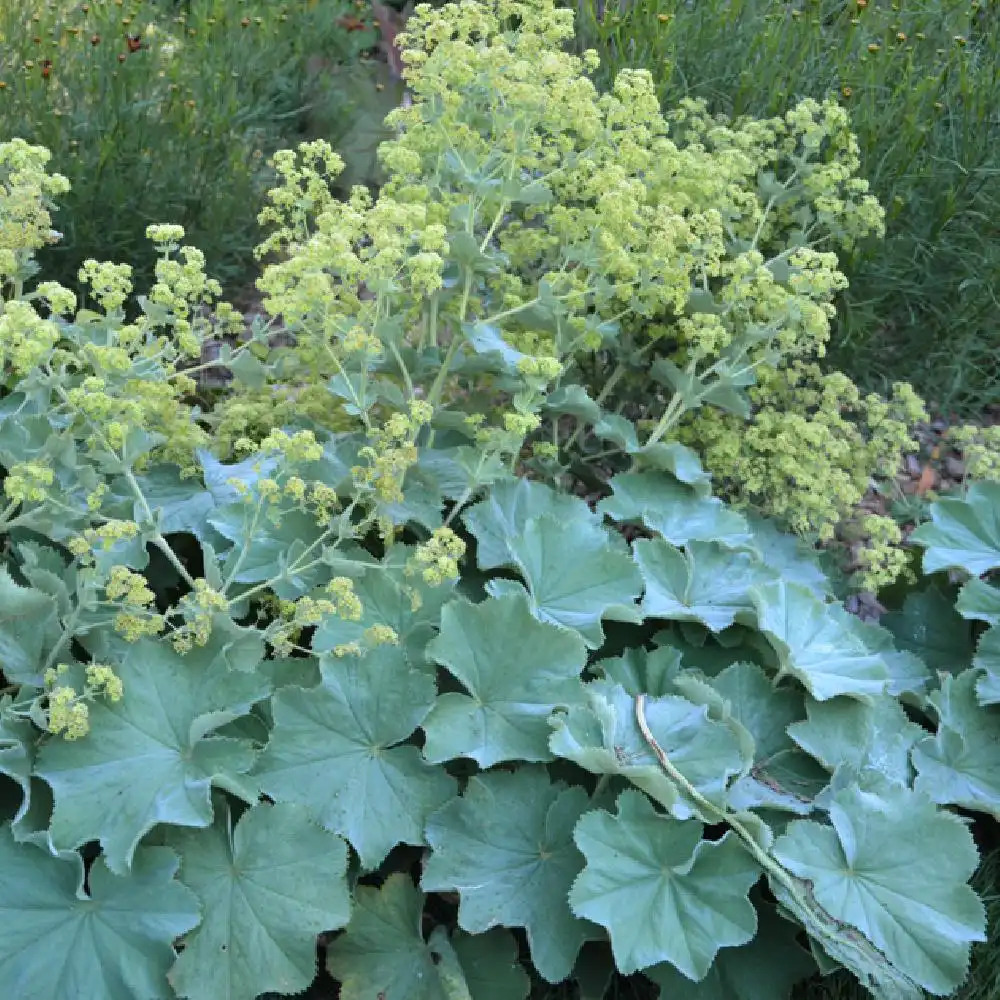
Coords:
pixel 846 91
pixel 351 23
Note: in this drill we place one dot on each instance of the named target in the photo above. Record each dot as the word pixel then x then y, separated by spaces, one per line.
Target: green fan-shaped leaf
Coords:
pixel 960 764
pixel 45 570
pixel 263 549
pixel 928 625
pixel 788 555
pixel 765 712
pixel 706 583
pixel 507 848
pixel 150 757
pixel 267 887
pixel 505 513
pixel 907 672
pixel 383 602
pixel 490 962
pixel 963 533
pixel 817 644
pixel 672 510
pixel 17 754
pixel 896 868
pixel 765 969
pixel 573 400
pixel 663 893
pixel 988 659
pixel 383 951
pixel 177 506
pixel 979 600
pixel 663 456
pixel 114 942
pixel 876 736
pixel 642 671
pixel 337 750
pixel 515 669
pixel 575 574
pixel 604 738
pixel 28 627
pixel 782 777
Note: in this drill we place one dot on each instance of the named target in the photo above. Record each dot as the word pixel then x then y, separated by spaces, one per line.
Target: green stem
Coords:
pixel 711 813
pixel 158 540
pixel 402 367
pixel 68 632
pixel 228 582
pixel 670 416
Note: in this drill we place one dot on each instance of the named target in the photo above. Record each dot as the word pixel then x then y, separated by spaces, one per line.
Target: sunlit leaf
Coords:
pixel 663 893
pixel 151 757
pixel 267 887
pixel 515 670
pixel 507 848
pixel 113 941
pixel 912 900
pixel 340 751
pixel 960 764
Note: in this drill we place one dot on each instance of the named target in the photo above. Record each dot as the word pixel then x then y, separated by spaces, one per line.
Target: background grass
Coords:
pixel 166 111
pixel 921 78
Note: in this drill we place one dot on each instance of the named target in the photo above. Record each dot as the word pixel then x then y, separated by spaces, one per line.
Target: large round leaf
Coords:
pixel 507 848
pixel 663 893
pixel 115 942
pixel 267 888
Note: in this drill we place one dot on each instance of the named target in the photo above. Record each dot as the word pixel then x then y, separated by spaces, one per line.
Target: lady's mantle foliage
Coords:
pixel 277 650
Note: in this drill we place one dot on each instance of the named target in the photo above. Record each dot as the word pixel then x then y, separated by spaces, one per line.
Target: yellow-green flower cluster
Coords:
pixel 392 451
pixel 60 300
pixel 180 286
pixel 198 608
pixel 297 615
pixel 304 190
pixel 28 482
pixel 346 603
pixel 26 339
pixel 241 421
pixel 376 635
pixel 882 558
pixel 980 448
pixel 26 192
pixel 166 236
pixel 110 284
pixel 808 454
pixel 131 593
pixel 301 446
pixel 436 560
pixel 68 713
pixel 380 635
pixel 104 537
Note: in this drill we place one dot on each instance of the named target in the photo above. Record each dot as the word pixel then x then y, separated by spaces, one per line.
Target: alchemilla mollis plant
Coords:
pixel 337 655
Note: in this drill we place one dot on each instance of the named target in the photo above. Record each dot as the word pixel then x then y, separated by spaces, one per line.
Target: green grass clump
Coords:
pixel 920 78
pixel 166 110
